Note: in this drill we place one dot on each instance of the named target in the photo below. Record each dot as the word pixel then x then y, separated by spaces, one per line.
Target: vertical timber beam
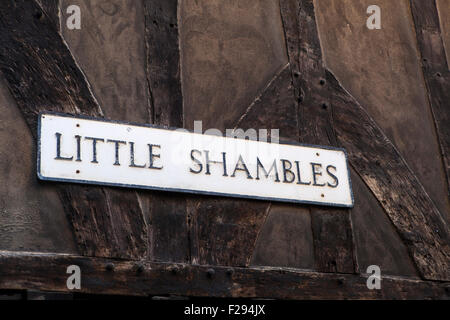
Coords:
pixel 332 228
pixel 170 221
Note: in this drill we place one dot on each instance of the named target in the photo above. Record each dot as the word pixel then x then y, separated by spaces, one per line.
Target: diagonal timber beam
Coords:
pixel 42 75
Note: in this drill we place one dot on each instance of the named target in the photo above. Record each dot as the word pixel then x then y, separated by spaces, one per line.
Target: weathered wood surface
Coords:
pixel 436 73
pixel 444 17
pixel 403 198
pixel 110 50
pixel 230 52
pixel 285 239
pixel 42 75
pixel 51 8
pixel 332 230
pixel 382 71
pixel 234 76
pixel 377 241
pixel 371 154
pixel 226 230
pixel 168 213
pixel 31 215
pixel 163 61
pixel 47 272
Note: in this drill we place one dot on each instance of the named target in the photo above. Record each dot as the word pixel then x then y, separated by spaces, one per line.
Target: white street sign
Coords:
pixel 97 151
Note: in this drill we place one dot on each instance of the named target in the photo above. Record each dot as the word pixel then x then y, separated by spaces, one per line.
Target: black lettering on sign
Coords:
pixel 316 174
pixel 223 162
pixel 287 170
pixel 94 147
pixel 154 155
pixel 132 164
pixel 336 180
pixel 58 149
pixel 243 167
pixel 299 177
pixel 117 144
pixel 273 167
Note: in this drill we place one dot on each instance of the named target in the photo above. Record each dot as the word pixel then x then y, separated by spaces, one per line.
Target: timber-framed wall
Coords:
pixel 308 68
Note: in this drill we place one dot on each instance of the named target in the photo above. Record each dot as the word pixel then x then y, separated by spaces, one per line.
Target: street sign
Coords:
pixel 102 152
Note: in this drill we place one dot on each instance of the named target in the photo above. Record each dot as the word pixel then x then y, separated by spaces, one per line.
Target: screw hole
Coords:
pixel 322 82
pixel 110 266
pixel 78 171
pixel 140 268
pixel 230 272
pixel 38 15
pixel 210 273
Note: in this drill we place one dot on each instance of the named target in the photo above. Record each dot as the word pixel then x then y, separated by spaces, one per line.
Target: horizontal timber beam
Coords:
pixel 47 272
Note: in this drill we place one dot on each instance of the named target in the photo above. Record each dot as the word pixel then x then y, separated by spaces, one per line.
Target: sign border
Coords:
pixel 196 192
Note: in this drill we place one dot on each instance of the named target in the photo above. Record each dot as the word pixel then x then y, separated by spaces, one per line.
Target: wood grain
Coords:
pixel 32 217
pixel 371 154
pixel 168 213
pixel 285 240
pixel 227 230
pixel 377 161
pixel 51 8
pixel 43 76
pixel 377 241
pixel 436 73
pixel 332 230
pixel 110 49
pixel 381 69
pixel 47 272
pixel 163 61
pixel 230 50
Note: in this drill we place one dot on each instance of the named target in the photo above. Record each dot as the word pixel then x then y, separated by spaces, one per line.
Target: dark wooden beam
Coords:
pixel 47 272
pixel 163 61
pixel 332 229
pixel 170 222
pixel 43 76
pixel 436 72
pixel 51 8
